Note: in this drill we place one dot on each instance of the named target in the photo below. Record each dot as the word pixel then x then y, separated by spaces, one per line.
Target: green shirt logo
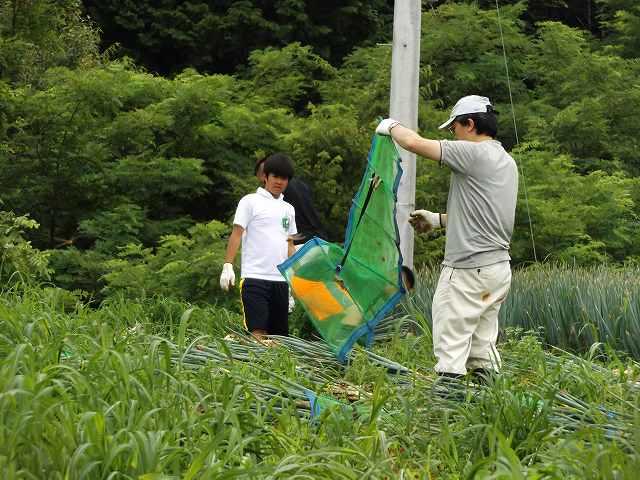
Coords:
pixel 285 224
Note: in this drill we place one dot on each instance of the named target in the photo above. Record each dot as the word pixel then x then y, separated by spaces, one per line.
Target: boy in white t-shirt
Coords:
pixel 264 223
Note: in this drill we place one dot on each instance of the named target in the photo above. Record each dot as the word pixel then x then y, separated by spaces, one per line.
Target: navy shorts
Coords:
pixel 265 305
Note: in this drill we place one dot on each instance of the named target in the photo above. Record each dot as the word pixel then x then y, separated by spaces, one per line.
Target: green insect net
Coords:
pixel 346 290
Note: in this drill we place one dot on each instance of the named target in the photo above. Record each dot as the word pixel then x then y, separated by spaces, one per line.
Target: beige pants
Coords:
pixel 465 317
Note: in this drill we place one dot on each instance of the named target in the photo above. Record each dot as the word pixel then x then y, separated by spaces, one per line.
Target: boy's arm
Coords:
pixel 228 277
pixel 235 239
pixel 293 230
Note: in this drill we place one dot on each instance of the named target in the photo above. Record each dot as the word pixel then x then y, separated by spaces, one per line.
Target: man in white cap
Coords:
pixel 476 275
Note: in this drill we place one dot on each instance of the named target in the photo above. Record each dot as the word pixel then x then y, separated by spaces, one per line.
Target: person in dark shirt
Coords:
pixel 299 194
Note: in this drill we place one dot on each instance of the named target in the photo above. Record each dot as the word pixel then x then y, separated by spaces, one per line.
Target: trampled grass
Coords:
pixel 162 389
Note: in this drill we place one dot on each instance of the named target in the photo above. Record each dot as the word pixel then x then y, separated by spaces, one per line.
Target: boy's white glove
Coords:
pixel 292 303
pixel 424 221
pixel 385 126
pixel 227 277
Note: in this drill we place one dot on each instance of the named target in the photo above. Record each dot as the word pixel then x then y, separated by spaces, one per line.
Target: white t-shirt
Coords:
pixel 267 223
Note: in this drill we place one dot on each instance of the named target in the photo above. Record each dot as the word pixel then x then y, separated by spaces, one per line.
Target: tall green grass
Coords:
pixel 157 389
pixel 572 308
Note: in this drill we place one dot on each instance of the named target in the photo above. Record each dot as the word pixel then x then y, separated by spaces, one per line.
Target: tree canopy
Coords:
pixel 120 167
pixel 219 35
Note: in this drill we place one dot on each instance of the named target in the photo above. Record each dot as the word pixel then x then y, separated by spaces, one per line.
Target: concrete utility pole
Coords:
pixel 404 108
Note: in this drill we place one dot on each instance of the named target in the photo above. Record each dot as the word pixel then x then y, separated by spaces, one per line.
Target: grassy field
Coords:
pixel 161 389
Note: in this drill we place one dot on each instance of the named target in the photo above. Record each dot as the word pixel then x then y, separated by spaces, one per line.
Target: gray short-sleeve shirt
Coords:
pixel 482 202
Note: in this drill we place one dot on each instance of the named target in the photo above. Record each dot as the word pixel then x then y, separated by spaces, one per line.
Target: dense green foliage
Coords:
pixel 103 155
pixel 37 35
pixel 118 185
pixel 218 36
pixel 19 261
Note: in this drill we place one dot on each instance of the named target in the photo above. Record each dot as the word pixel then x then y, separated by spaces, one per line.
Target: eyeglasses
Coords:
pixel 452 128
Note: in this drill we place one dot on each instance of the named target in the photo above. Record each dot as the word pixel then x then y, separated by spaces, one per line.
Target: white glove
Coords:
pixel 424 221
pixel 292 304
pixel 227 277
pixel 385 126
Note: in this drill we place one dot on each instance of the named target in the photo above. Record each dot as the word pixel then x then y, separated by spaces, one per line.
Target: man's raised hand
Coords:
pixel 385 126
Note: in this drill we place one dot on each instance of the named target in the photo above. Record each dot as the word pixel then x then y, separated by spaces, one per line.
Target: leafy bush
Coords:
pixel 183 267
pixel 19 261
pixel 35 36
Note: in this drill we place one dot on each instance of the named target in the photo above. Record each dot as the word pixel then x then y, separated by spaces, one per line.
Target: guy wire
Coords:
pixel 515 128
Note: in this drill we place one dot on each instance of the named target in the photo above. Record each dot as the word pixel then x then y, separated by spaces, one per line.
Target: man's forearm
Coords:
pixel 411 141
pixel 291 249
